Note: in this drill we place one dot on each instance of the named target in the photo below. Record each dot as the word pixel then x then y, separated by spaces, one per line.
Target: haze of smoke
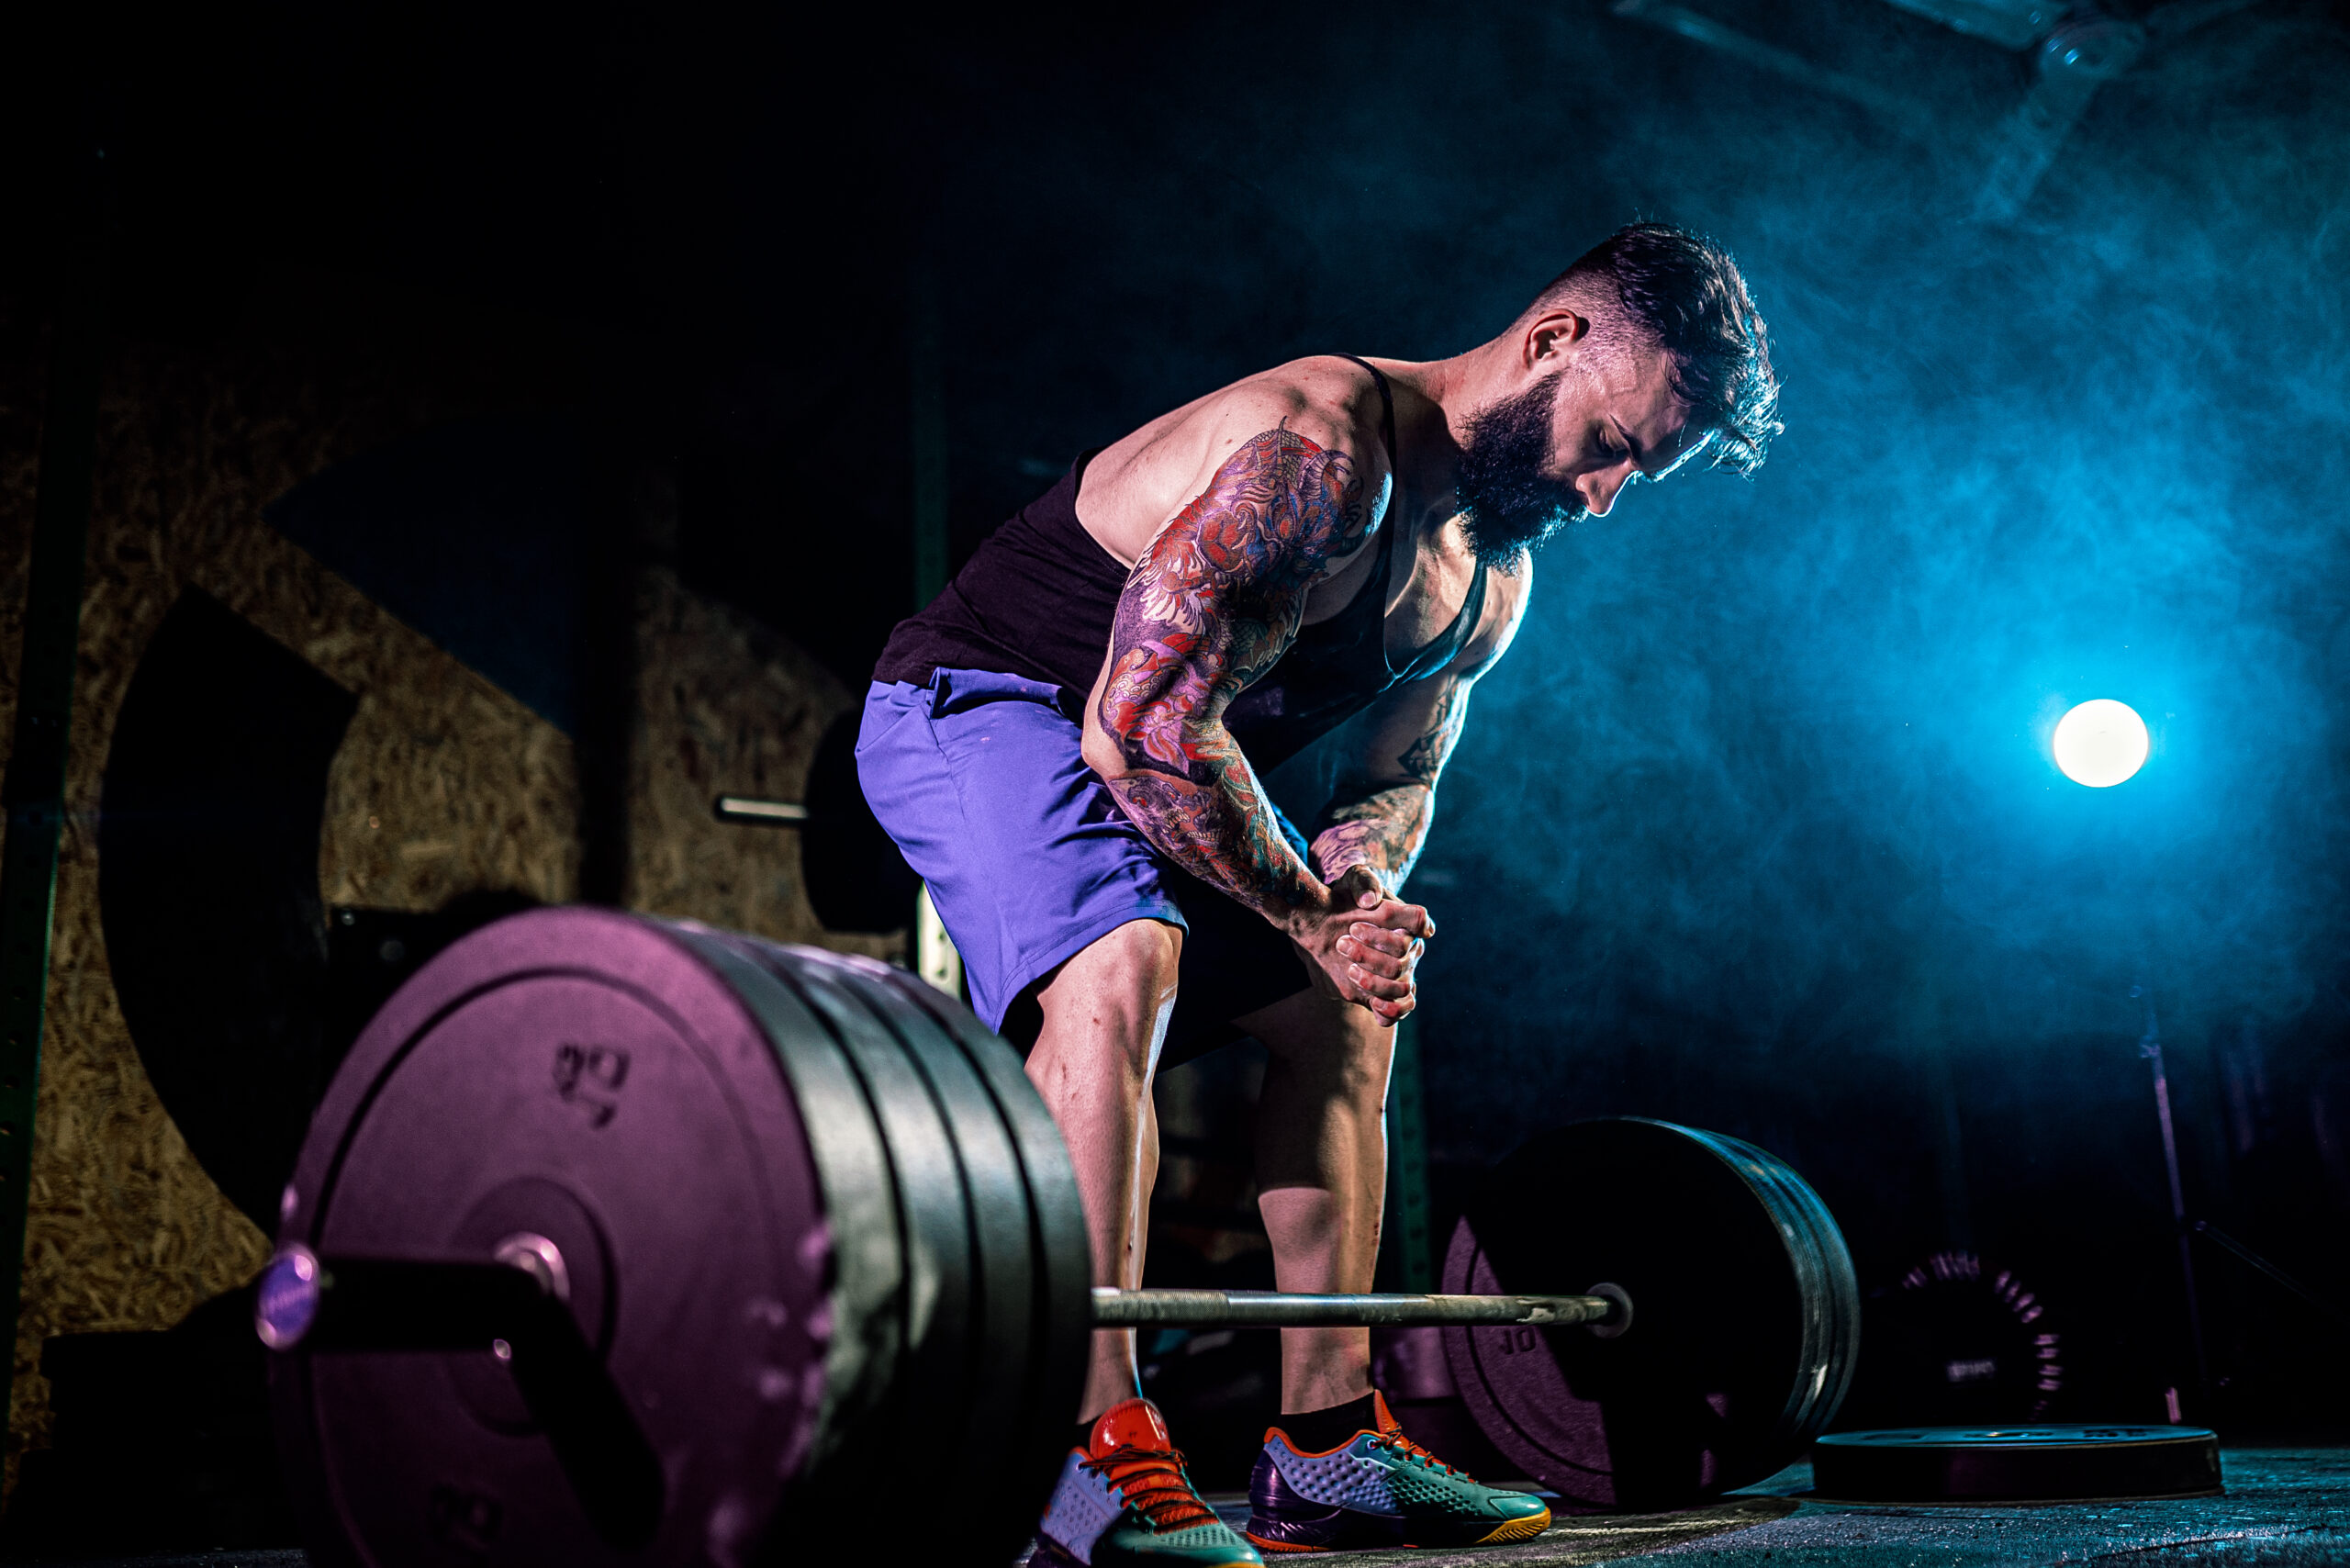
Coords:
pixel 1768 763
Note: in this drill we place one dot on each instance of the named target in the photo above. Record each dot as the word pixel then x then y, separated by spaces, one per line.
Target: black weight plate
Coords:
pixel 864 1242
pixel 1061 1303
pixel 967 1334
pixel 1744 1315
pixel 2016 1465
pixel 1957 1342
pixel 1830 1291
pixel 999 1332
pixel 929 1387
pixel 584 1075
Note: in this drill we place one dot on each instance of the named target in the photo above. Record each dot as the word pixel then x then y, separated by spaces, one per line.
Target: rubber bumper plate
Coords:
pixel 2016 1465
pixel 810 1213
pixel 1744 1324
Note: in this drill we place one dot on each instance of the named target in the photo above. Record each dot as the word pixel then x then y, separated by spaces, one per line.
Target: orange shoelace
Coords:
pixel 1151 1483
pixel 1411 1450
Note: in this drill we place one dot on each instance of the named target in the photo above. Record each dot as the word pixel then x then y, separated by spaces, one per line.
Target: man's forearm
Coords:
pixel 1210 605
pixel 1384 831
pixel 1220 828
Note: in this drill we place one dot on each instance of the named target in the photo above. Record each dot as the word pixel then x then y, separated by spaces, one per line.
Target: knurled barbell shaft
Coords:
pixel 1280 1309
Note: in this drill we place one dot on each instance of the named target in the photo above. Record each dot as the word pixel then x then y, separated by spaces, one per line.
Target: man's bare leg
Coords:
pixel 1105 1014
pixel 1322 1177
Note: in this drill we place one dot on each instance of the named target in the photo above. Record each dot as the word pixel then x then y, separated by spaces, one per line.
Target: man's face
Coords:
pixel 1563 449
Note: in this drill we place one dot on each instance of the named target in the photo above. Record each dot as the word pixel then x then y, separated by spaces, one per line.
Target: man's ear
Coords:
pixel 1549 335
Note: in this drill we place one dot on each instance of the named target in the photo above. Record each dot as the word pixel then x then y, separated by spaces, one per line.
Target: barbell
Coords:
pixel 1604 1307
pixel 617 1240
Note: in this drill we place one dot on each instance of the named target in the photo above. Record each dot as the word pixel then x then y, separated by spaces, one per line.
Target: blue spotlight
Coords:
pixel 2100 742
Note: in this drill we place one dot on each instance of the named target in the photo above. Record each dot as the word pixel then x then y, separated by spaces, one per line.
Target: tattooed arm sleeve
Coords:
pixel 1379 814
pixel 1209 607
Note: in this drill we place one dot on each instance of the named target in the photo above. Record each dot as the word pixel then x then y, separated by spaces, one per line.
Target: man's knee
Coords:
pixel 1124 978
pixel 1146 954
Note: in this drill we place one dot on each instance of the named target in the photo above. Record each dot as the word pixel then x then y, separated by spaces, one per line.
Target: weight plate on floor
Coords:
pixel 998 1331
pixel 930 1384
pixel 969 1328
pixel 2016 1465
pixel 686 1132
pixel 1832 1292
pixel 1958 1342
pixel 1034 1425
pixel 1745 1315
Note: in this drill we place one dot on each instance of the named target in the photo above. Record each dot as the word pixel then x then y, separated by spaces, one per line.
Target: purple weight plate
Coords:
pixel 586 1076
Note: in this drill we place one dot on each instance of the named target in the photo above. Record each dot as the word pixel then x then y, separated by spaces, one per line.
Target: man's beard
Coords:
pixel 1507 507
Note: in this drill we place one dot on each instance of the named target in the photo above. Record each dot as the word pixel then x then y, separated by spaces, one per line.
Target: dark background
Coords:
pixel 1756 828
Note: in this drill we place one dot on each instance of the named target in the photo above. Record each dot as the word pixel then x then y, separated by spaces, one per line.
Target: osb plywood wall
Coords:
pixel 724 705
pixel 445 784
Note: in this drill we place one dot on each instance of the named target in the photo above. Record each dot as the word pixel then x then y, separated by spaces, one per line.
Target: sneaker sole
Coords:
pixel 1519 1530
pixel 1514 1529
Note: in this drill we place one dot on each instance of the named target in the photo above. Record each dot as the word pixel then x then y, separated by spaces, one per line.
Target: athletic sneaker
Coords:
pixel 1378 1488
pixel 1125 1502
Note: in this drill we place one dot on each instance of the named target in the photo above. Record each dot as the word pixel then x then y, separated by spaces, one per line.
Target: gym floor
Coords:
pixel 2283 1508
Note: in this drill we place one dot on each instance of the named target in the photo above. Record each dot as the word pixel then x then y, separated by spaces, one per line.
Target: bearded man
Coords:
pixel 1067 745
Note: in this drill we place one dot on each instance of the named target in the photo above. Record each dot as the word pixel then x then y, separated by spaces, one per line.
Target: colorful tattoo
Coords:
pixel 1210 605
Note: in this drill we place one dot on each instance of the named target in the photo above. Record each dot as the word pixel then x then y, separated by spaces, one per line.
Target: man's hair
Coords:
pixel 1683 292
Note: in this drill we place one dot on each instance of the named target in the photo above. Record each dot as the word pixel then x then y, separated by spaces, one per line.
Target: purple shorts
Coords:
pixel 979 778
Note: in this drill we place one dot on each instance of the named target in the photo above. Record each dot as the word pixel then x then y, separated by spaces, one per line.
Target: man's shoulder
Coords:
pixel 1139 483
pixel 1327 400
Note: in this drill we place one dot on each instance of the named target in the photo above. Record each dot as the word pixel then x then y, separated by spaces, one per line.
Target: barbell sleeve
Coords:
pixel 1280 1309
pixel 306 1303
pixel 394 1303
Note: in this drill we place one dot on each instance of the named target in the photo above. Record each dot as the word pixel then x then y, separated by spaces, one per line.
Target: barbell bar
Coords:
pixel 1604 1307
pixel 374 1303
pixel 517 1307
pixel 779 1208
pixel 755 810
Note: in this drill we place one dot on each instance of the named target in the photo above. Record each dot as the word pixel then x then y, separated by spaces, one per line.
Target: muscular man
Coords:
pixel 1067 745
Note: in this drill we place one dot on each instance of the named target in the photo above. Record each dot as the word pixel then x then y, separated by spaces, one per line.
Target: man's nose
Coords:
pixel 1600 490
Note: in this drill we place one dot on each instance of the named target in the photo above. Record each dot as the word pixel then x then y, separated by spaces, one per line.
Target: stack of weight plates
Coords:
pixel 1745 1318
pixel 812 1217
pixel 2016 1465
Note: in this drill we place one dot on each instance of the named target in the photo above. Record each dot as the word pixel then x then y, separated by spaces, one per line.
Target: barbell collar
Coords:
pixel 1282 1309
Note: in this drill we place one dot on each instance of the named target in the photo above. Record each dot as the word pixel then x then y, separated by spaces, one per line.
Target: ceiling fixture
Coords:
pixel 2075 49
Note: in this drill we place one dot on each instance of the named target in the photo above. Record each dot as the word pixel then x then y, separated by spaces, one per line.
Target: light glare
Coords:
pixel 2100 742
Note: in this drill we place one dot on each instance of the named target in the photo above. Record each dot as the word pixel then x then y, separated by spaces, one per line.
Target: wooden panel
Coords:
pixel 445 784
pixel 125 1231
pixel 724 706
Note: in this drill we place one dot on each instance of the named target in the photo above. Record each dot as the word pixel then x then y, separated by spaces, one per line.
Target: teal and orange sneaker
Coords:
pixel 1125 1502
pixel 1378 1488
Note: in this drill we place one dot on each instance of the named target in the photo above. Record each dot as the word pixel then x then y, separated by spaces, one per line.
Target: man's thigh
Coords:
pixel 981 780
pixel 1326 1037
pixel 1234 964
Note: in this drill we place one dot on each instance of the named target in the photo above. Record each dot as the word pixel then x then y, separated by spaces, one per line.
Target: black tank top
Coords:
pixel 1038 597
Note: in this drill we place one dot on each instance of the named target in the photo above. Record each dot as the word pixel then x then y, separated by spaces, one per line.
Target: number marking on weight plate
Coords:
pixel 588 1076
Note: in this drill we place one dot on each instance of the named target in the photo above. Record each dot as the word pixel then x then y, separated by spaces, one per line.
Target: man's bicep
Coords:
pixel 1217 597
